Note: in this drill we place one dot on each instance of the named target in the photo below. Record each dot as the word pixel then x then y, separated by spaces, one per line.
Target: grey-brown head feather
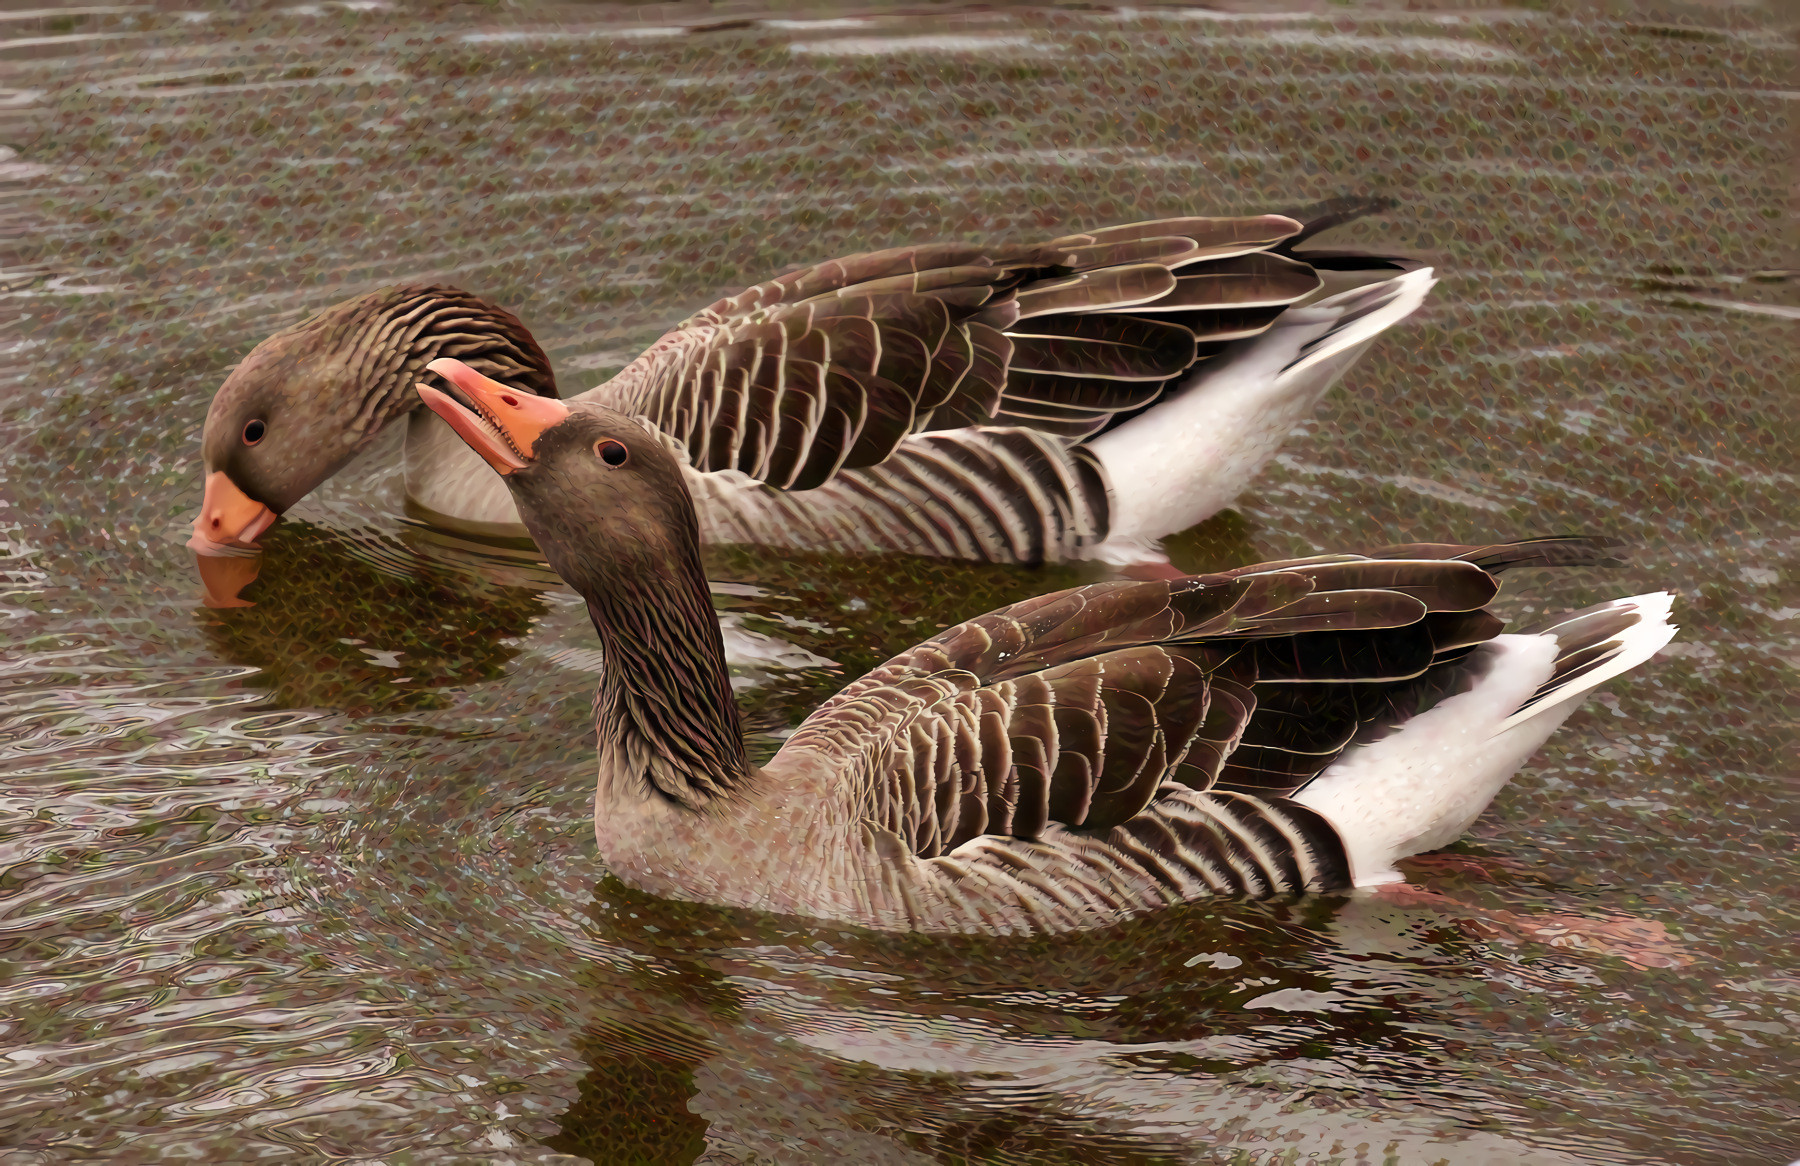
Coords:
pixel 327 386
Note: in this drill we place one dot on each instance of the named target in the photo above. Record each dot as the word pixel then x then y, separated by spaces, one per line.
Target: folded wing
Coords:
pixel 832 366
pixel 1084 707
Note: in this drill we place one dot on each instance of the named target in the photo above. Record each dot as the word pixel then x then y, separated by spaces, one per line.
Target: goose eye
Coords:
pixel 253 432
pixel 613 453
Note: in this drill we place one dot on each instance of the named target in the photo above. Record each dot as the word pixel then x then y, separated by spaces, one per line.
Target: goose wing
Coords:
pixel 831 366
pixel 1083 707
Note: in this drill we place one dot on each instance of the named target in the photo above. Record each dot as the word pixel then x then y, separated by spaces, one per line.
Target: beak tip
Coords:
pixel 479 431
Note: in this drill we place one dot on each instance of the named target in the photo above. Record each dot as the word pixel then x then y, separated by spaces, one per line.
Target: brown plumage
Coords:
pixel 1063 762
pixel 832 366
pixel 328 385
pixel 863 404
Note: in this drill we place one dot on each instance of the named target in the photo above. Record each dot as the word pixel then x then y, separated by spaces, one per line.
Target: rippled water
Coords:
pixel 316 879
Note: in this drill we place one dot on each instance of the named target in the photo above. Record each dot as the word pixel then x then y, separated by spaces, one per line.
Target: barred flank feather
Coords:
pixel 1000 495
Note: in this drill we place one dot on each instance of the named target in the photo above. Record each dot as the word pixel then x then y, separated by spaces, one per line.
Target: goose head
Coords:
pixel 276 429
pixel 600 492
pixel 309 399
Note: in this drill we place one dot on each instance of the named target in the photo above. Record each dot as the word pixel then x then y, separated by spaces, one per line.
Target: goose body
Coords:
pixel 1077 398
pixel 1064 762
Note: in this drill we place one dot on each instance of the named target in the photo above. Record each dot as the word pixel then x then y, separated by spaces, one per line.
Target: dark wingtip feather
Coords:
pixel 1355 261
pixel 1577 630
pixel 1585 640
pixel 1320 217
pixel 1557 551
pixel 1561 551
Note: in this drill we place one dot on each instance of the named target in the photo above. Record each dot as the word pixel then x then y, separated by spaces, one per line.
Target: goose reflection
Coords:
pixel 372 621
pixel 351 620
pixel 786 1040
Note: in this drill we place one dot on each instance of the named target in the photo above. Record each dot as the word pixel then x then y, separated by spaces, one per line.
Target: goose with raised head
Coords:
pixel 1061 763
pixel 1078 398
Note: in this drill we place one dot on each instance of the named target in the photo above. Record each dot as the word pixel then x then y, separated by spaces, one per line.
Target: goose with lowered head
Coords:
pixel 1077 398
pixel 1061 763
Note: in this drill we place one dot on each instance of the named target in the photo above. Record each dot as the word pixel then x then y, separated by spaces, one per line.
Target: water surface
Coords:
pixel 315 880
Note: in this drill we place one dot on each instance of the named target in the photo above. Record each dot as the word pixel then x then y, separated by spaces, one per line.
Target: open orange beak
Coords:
pixel 224 542
pixel 505 424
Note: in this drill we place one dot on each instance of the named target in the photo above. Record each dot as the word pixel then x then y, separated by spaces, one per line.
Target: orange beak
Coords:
pixel 228 515
pixel 224 542
pixel 505 424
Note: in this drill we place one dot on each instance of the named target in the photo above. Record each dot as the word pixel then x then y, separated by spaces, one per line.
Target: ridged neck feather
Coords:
pixel 666 720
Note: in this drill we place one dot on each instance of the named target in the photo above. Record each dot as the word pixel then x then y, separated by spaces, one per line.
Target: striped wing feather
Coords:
pixel 831 367
pixel 1083 709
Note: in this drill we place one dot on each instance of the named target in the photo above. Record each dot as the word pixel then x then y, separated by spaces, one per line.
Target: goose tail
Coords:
pixel 1418 787
pixel 1193 452
pixel 1593 646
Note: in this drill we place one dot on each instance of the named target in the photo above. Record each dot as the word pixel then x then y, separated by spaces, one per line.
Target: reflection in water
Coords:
pixel 633 1102
pixel 268 893
pixel 350 622
pixel 1109 1047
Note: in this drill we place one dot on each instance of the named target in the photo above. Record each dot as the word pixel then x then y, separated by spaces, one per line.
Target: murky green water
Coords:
pixel 316 879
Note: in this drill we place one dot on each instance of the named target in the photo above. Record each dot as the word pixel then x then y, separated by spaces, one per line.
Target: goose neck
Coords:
pixel 666 720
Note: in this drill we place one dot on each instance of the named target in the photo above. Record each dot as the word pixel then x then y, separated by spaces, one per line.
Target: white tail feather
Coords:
pixel 1193 453
pixel 1637 644
pixel 1351 328
pixel 1421 786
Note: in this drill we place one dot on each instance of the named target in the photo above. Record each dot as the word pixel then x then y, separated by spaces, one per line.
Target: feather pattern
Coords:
pixel 385 341
pixel 1164 724
pixel 998 494
pixel 832 367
